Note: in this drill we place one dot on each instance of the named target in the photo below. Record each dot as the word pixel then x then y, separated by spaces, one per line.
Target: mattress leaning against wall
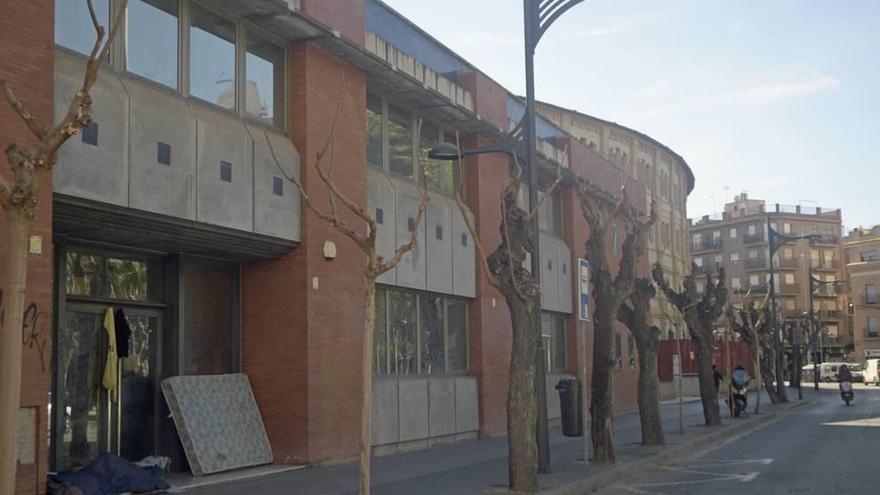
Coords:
pixel 218 422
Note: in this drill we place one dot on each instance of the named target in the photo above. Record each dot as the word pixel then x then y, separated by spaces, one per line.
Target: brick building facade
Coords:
pixel 176 207
pixel 862 257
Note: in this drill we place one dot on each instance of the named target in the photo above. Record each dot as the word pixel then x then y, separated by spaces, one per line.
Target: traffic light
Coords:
pixel 850 308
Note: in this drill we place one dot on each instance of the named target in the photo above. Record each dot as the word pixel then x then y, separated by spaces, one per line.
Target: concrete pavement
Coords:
pixel 825 448
pixel 481 466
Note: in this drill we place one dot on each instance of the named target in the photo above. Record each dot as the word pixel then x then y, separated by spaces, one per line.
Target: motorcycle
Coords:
pixel 740 381
pixel 846 392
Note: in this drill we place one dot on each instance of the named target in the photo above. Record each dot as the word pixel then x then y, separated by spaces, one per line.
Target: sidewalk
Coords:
pixel 480 466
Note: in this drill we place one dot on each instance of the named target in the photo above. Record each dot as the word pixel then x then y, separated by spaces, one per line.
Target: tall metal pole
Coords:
pixel 779 351
pixel 531 22
pixel 814 347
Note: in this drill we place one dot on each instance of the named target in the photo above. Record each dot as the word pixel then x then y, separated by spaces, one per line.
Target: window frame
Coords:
pixel 116 61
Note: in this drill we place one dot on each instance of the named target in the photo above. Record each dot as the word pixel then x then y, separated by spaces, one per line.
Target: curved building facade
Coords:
pixel 667 179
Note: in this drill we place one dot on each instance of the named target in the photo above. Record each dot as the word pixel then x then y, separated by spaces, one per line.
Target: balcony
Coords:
pixel 753 238
pixel 871 333
pixel 706 270
pixel 870 299
pixel 788 288
pixel 756 263
pixel 790 263
pixel 831 314
pixel 832 265
pixel 706 244
pixel 825 240
pixel 826 291
pixel 758 289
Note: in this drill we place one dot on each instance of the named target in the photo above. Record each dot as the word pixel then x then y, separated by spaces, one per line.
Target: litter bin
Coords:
pixel 571 406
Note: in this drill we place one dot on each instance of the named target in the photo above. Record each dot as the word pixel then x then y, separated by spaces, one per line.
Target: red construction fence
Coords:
pixel 740 353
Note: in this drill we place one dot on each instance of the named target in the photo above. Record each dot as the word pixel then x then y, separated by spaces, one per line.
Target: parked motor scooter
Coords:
pixel 740 380
pixel 846 392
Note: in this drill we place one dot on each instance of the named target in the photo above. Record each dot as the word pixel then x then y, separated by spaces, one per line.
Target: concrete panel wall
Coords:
pixel 464 275
pixel 123 169
pixel 382 204
pixel 413 400
pixel 564 279
pixel 94 172
pixel 276 211
pixel 407 410
pixel 222 140
pixel 169 189
pixel 549 274
pixel 412 267
pixel 386 417
pixel 438 236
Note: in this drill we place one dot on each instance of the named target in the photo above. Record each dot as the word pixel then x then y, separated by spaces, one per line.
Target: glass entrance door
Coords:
pixel 95 421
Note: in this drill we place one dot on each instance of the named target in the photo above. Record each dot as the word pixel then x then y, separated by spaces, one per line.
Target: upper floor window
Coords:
pixel 151 46
pixel 550 213
pixel 553 332
pixel 441 173
pixel 400 141
pixel 73 25
pixel 870 294
pixel 733 232
pixel 264 80
pixel 212 58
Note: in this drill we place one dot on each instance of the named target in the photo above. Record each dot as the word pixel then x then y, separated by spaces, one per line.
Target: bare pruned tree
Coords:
pixel 751 322
pixel 635 315
pixel 375 266
pixel 505 270
pixel 609 293
pixel 19 199
pixel 700 311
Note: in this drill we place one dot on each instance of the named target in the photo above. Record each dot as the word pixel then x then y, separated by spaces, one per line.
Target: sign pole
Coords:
pixel 584 317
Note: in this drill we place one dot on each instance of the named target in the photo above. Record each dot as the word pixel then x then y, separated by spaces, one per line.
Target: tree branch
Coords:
pixel 38 130
pixel 549 191
pixel 405 248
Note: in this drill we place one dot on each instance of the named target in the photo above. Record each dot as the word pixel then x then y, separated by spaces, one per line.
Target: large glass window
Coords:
pixel 400 141
pixel 151 40
pixel 375 143
pixel 212 58
pixel 264 70
pixel 553 332
pixel 550 213
pixel 73 25
pixel 402 337
pixel 108 277
pixel 419 333
pixel 441 176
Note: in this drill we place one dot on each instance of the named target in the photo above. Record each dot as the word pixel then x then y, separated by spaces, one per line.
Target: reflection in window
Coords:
pixel 151 40
pixel 380 337
pixel 456 339
pixel 374 131
pixel 113 278
pixel 73 25
pixel 212 58
pixel 431 323
pixel 400 141
pixel 402 332
pixel 553 332
pixel 550 213
pixel 264 64
pixel 441 178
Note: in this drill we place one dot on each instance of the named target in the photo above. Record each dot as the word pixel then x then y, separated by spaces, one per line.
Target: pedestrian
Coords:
pixel 718 377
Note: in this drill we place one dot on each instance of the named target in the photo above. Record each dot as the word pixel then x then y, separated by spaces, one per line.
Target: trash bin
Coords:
pixel 571 406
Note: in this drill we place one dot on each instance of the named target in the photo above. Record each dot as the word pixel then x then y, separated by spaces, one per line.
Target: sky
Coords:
pixel 778 98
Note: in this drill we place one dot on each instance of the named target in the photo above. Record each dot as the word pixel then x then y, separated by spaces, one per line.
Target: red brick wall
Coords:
pixel 26 60
pixel 490 99
pixel 301 346
pixel 345 16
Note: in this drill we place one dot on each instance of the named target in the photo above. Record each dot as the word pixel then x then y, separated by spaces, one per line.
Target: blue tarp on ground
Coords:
pixel 110 475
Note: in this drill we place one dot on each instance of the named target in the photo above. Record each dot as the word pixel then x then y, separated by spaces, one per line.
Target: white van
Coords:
pixel 871 371
pixel 828 371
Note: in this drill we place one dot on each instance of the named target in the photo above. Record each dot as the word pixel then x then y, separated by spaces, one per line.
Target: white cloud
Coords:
pixel 814 83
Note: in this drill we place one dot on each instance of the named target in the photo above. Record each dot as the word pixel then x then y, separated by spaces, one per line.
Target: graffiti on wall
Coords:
pixel 34 331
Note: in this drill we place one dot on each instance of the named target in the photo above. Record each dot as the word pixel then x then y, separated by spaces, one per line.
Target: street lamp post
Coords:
pixel 776 241
pixel 816 349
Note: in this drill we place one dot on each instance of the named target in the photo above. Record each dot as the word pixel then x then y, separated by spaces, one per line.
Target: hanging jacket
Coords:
pixel 111 366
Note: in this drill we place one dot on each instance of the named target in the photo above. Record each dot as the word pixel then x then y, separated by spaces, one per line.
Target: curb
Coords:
pixel 704 443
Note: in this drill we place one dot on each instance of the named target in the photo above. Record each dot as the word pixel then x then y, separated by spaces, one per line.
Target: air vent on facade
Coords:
pixel 90 134
pixel 439 232
pixel 549 265
pixel 225 171
pixel 410 224
pixel 463 239
pixel 564 269
pixel 163 153
pixel 380 216
pixel 277 186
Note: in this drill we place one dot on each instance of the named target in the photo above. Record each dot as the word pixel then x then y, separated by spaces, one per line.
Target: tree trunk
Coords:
pixel 767 371
pixel 522 409
pixel 756 359
pixel 647 343
pixel 367 383
pixel 780 369
pixel 18 227
pixel 708 394
pixel 601 399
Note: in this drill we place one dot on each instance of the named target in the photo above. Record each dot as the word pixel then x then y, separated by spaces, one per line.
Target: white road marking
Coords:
pixel 729 462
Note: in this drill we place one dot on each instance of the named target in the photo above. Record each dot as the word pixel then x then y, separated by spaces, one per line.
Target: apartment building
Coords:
pixel 177 206
pixel 668 180
pixel 736 240
pixel 862 254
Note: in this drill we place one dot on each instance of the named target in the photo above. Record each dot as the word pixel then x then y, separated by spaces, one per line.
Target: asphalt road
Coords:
pixel 824 447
